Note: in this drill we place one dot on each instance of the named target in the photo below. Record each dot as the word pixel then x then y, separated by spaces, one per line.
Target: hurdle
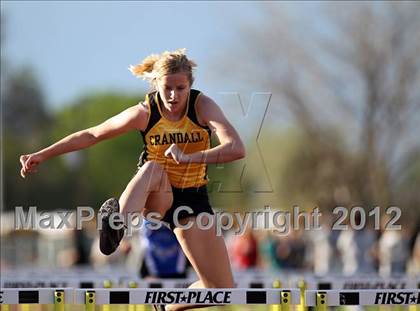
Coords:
pixel 282 297
pixel 140 296
pixel 359 283
pixel 368 297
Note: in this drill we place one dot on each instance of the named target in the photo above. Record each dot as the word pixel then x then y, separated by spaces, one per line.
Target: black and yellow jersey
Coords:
pixel 186 133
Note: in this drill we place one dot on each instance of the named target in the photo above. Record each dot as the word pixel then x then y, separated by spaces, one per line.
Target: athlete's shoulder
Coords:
pixel 142 107
pixel 206 108
pixel 140 114
pixel 206 103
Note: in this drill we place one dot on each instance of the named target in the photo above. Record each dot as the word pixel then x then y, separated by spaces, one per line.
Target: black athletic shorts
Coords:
pixel 195 198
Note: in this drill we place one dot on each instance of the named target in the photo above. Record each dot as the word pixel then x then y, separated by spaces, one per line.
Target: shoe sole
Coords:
pixel 107 245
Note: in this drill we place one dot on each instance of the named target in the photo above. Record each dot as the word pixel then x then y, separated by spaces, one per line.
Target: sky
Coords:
pixel 78 47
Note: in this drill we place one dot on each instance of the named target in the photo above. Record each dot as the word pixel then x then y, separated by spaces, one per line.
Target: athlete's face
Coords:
pixel 174 90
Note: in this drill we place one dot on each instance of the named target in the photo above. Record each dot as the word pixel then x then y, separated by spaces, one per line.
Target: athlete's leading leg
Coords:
pixel 208 255
pixel 148 191
pixel 149 188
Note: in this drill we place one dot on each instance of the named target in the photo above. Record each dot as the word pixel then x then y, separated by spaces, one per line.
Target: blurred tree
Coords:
pixel 2 40
pixel 24 107
pixel 409 181
pixel 83 178
pixel 24 122
pixel 23 104
pixel 352 73
pixel 103 170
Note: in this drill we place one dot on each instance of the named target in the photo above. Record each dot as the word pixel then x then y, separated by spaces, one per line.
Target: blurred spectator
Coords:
pixel 285 251
pixel 78 253
pixel 393 250
pixel 245 251
pixel 119 257
pixel 319 250
pixel 267 250
pixel 83 244
pixel 413 266
pixel 297 250
pixel 356 249
pixel 163 255
pixel 156 253
pixel 393 253
pixel 282 252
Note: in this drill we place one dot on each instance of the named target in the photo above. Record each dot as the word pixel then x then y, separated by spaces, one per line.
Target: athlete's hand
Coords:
pixel 175 153
pixel 29 163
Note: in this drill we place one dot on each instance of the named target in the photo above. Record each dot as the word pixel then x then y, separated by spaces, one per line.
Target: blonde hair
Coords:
pixel 157 65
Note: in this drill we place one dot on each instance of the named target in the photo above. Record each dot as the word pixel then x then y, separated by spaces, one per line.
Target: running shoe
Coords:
pixel 109 239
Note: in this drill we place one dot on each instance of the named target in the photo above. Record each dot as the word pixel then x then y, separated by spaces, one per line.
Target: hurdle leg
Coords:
pixel 135 307
pixel 285 300
pixel 59 300
pixel 90 300
pixel 277 284
pixel 321 301
pixel 399 308
pixel 107 284
pixel 302 287
pixel 25 307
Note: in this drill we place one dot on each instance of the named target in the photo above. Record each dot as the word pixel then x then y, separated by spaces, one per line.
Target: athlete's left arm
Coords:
pixel 230 148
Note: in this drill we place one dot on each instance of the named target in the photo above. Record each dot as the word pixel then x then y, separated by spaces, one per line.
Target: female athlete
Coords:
pixel 176 122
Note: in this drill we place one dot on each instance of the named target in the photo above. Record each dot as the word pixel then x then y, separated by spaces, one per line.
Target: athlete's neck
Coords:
pixel 173 116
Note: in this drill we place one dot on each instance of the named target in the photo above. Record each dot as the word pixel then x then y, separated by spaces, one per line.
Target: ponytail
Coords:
pixel 157 65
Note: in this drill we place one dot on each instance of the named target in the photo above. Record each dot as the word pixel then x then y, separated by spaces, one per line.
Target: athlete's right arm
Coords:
pixel 135 117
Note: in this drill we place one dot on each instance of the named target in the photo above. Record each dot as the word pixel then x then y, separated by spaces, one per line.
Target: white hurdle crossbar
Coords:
pixel 368 297
pixel 143 296
pixel 219 296
pixel 341 283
